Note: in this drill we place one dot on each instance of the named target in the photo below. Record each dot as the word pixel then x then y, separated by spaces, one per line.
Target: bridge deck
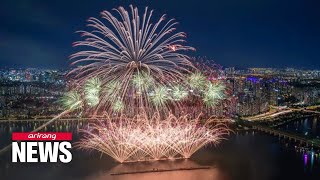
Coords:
pixel 288 135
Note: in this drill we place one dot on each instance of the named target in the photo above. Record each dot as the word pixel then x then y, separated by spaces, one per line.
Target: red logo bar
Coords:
pixel 41 136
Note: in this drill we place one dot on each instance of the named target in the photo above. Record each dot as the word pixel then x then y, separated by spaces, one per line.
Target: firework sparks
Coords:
pixel 92 90
pixel 160 96
pixel 179 93
pixel 118 106
pixel 140 138
pixel 133 52
pixel 72 100
pixel 214 93
pixel 142 81
pixel 134 71
pixel 131 63
pixel 197 81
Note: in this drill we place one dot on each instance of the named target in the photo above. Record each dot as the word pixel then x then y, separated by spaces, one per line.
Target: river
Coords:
pixel 244 156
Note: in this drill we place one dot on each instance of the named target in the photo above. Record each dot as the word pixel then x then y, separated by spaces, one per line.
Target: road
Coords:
pixel 274 113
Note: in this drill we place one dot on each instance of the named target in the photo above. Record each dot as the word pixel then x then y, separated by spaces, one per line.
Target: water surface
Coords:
pixel 245 156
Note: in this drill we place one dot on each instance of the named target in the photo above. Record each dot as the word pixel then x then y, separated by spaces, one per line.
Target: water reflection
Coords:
pixel 314 125
pixel 159 170
pixel 245 156
pixel 203 174
pixel 306 126
pixel 305 156
pixel 311 158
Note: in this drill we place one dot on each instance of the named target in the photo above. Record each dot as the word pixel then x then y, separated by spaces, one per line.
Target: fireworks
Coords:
pixel 140 138
pixel 92 90
pixel 160 96
pixel 133 71
pixel 214 93
pixel 197 81
pixel 132 64
pixel 179 93
pixel 118 106
pixel 131 57
pixel 72 100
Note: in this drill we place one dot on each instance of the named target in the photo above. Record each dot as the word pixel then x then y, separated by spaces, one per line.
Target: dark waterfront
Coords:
pixel 245 156
pixel 309 127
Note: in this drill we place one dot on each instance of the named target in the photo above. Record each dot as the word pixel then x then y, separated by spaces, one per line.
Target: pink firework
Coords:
pixel 143 139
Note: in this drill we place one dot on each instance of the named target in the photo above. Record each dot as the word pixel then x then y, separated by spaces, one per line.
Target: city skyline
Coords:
pixel 241 34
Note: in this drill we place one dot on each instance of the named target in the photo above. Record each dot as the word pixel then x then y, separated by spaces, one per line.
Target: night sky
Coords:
pixel 240 33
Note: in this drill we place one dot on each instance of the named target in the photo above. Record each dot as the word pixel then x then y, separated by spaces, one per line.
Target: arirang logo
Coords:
pixel 41 147
pixel 49 136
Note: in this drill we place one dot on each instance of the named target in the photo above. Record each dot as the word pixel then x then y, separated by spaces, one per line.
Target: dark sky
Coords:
pixel 241 33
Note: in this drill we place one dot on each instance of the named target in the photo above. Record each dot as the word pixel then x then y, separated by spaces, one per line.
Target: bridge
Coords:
pixel 275 113
pixel 307 110
pixel 290 136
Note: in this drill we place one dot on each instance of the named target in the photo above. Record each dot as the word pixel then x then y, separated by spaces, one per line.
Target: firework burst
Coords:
pixel 134 73
pixel 131 53
pixel 143 139
pixel 71 100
